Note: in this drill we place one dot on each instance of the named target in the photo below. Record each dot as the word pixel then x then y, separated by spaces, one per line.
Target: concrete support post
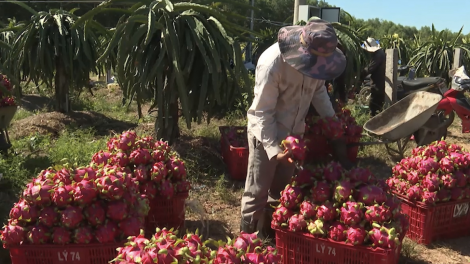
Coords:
pixel 391 73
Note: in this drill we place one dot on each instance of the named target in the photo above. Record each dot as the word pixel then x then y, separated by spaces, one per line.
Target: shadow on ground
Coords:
pixel 378 167
pixel 214 229
pixel 461 245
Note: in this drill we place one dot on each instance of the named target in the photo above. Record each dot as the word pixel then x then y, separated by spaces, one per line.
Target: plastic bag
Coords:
pixel 460 80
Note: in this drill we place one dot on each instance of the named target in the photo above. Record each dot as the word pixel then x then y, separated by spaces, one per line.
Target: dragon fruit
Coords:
pixel 272 256
pixel 413 177
pixel 86 173
pixel 296 146
pixel 333 171
pixel 24 212
pixel 281 215
pixel 106 233
pixel 145 142
pixel 360 175
pixel 101 157
pixel 226 254
pixel 291 196
pixel 126 141
pixel 117 210
pixel 12 235
pixel 40 193
pixel 308 209
pixel 429 197
pixel 327 211
pixel 414 193
pixel 141 172
pixel 431 182
pixel 176 169
pixel 460 178
pixel 304 177
pixel 297 223
pixel 110 187
pixel 448 181
pixel 85 192
pixel 130 226
pixel 332 127
pixel 428 165
pixel 378 213
pixel 120 158
pixel 371 194
pixel 318 228
pixel 159 172
pixel 140 156
pixel 71 216
pixel 49 216
pixel 383 237
pixel 321 192
pixel 166 189
pixel 61 236
pixel 148 188
pixel 63 195
pixel 446 165
pixel 82 235
pixel 343 191
pixel 183 186
pixel 393 204
pixel 351 213
pixel 254 258
pixel 247 242
pixel 337 232
pixel 95 214
pixel 38 234
pixel 356 235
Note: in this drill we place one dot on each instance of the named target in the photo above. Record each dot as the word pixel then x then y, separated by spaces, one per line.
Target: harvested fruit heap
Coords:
pixel 5 99
pixel 333 127
pixel 436 173
pixel 158 170
pixel 166 247
pixel 344 206
pixel 81 206
pixel 238 140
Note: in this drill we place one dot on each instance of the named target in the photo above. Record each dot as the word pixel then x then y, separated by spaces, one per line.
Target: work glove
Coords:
pixel 340 151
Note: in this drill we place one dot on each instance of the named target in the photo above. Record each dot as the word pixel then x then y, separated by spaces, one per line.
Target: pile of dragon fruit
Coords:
pixel 157 169
pixel 236 139
pixel 343 124
pixel 166 247
pixel 81 206
pixel 5 99
pixel 344 206
pixel 436 173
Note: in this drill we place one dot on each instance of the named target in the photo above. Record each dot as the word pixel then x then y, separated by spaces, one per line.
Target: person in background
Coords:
pixel 339 86
pixel 290 76
pixel 376 69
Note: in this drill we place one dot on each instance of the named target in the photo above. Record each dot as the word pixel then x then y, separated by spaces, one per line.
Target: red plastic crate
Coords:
pixel 60 254
pixel 353 151
pixel 466 125
pixel 429 223
pixel 236 158
pixel 302 248
pixel 169 213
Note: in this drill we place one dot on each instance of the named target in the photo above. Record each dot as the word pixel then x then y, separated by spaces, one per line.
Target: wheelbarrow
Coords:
pixel 6 115
pixel 415 117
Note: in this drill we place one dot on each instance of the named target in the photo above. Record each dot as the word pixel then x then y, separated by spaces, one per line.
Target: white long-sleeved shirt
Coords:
pixel 282 97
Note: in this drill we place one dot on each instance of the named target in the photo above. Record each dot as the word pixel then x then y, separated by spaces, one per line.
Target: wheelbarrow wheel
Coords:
pixel 363 97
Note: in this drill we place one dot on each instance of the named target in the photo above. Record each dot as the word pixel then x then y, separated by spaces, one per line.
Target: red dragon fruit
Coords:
pixel 226 254
pixel 130 226
pixel 378 213
pixel 356 235
pixel 117 210
pixel 337 232
pixel 321 192
pixel 332 127
pixel 327 211
pixel 84 173
pixel 12 235
pixel 24 212
pixel 148 188
pixel 126 141
pixel 254 258
pixel 308 209
pixel 291 196
pixel 63 176
pixel 140 156
pixel 429 197
pixel 460 178
pixel 158 156
pixel 183 186
pixel 111 188
pixel 414 193
pixel 85 192
pixel 343 191
pixel 318 228
pixel 431 182
pixel 297 223
pixel 413 177
pixel 120 158
pixel 333 171
pixel 176 169
pixel 163 147
pixel 61 236
pixel 159 172
pixel 106 233
pixel 62 195
pixel 304 177
pixel 272 256
pixel 101 157
pixel 361 175
pixel 351 213
pixel 393 204
pixel 448 181
pixel 446 165
pixel 95 214
pixel 40 193
pixel 383 237
pixel 296 146
pixel 166 189
pixel 371 194
pixel 49 216
pixel 145 142
pixel 82 235
pixel 38 234
pixel 247 242
pixel 428 165
pixel 141 172
pixel 281 216
pixel 71 216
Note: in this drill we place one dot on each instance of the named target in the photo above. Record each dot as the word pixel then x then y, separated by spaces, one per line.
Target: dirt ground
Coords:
pixel 214 202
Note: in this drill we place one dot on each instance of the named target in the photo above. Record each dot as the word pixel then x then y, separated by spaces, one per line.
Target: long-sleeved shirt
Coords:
pixel 282 97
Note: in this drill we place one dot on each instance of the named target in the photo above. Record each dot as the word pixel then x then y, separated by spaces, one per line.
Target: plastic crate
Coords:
pixel 353 151
pixel 429 223
pixel 60 254
pixel 235 158
pixel 466 125
pixel 302 248
pixel 169 213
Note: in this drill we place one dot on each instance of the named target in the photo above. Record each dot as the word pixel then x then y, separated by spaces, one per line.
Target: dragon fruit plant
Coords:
pixel 350 207
pixel 436 173
pixel 165 247
pixel 6 99
pixel 80 206
pixel 158 171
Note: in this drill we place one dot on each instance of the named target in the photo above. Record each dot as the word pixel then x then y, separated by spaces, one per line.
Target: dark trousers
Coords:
pixel 377 98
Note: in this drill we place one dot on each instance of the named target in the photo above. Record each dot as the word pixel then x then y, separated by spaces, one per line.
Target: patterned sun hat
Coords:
pixel 312 49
